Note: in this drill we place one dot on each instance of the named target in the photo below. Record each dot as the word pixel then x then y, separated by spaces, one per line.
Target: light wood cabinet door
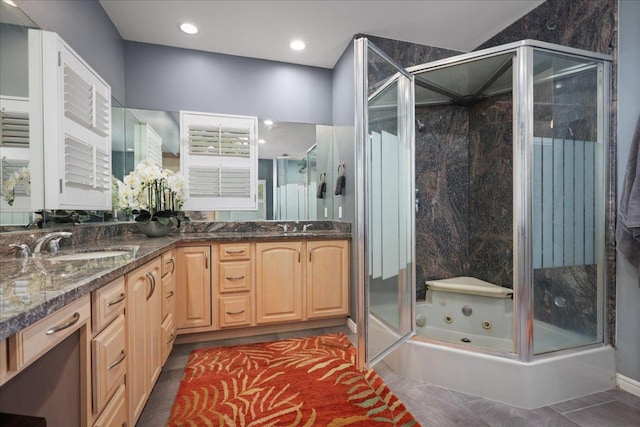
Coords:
pixel 115 414
pixel 109 357
pixel 154 322
pixel 278 282
pixel 327 278
pixel 143 312
pixel 138 288
pixel 235 310
pixel 193 287
pixel 168 283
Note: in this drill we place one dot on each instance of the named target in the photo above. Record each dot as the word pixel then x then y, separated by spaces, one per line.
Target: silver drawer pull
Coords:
pixel 172 338
pixel 235 312
pixel 116 301
pixel 170 294
pixel 235 278
pixel 117 362
pixel 234 251
pixel 70 323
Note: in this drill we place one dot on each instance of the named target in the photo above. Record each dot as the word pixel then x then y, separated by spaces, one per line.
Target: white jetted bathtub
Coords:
pixel 469 312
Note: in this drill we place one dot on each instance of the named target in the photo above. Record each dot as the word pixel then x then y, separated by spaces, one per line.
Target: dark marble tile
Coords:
pixel 433 405
pixel 582 402
pixel 625 397
pixel 613 413
pixel 498 414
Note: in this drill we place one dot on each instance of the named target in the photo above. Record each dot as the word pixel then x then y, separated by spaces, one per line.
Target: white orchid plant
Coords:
pixel 152 193
pixel 11 183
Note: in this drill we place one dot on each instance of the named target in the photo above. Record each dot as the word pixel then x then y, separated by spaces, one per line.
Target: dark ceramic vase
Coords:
pixel 154 228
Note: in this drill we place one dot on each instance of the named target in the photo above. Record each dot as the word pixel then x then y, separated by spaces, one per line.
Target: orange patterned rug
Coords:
pixel 297 382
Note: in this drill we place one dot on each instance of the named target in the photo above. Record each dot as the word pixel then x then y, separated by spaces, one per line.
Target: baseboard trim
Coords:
pixel 352 326
pixel 627 384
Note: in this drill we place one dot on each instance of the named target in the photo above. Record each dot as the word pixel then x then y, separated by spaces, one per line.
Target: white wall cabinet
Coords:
pixel 77 128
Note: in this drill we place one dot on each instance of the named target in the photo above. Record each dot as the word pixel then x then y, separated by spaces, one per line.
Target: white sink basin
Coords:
pixel 88 255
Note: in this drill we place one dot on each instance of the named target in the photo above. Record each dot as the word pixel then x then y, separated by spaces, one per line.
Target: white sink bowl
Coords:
pixel 88 255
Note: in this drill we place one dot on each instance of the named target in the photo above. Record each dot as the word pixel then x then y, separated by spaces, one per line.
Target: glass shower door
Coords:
pixel 568 201
pixel 388 189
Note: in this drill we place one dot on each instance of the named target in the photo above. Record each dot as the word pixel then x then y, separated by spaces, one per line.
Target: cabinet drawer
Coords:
pixel 168 263
pixel 168 336
pixel 109 353
pixel 235 311
pixel 115 414
pixel 168 295
pixel 235 276
pixel 34 341
pixel 108 303
pixel 234 251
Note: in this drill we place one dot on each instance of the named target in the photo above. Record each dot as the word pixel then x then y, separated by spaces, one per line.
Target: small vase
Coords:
pixel 154 228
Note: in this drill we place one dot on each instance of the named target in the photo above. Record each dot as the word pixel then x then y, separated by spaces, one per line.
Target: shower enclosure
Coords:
pixel 506 258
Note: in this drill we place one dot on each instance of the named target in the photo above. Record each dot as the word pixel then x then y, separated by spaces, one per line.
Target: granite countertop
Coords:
pixel 32 289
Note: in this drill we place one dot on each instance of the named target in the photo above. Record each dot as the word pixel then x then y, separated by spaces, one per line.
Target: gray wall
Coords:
pixel 174 79
pixel 85 26
pixel 343 87
pixel 628 291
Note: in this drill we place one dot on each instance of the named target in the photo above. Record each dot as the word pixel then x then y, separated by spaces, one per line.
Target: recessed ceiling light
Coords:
pixel 189 28
pixel 262 141
pixel 297 45
pixel 268 122
pixel 10 3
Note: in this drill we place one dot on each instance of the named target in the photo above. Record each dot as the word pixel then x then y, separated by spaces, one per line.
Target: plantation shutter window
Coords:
pixel 219 159
pixel 17 153
pixel 77 111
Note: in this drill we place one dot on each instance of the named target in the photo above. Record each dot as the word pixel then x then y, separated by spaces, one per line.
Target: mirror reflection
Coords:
pixel 296 166
pixel 293 158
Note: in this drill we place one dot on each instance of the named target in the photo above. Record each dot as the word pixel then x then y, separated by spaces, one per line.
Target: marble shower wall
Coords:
pixel 491 190
pixel 442 184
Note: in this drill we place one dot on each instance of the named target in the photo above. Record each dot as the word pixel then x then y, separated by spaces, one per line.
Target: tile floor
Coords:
pixel 430 405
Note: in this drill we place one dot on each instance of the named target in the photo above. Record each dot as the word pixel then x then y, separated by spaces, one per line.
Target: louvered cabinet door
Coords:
pixel 77 146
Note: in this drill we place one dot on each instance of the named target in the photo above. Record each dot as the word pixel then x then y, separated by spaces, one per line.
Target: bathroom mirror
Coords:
pixel 295 141
pixel 20 171
pixel 287 187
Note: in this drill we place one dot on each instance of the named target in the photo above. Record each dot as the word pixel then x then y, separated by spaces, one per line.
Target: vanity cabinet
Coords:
pixel 143 320
pixel 193 288
pixel 279 282
pixel 234 290
pixel 108 346
pixel 168 326
pixel 46 363
pixel 327 276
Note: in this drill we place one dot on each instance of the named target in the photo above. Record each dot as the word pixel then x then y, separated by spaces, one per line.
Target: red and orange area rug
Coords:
pixel 297 382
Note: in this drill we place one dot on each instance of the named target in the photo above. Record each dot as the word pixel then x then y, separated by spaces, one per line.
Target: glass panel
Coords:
pixel 465 83
pixel 389 207
pixel 568 203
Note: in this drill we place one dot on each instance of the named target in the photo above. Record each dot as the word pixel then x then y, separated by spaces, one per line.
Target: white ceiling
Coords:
pixel 264 29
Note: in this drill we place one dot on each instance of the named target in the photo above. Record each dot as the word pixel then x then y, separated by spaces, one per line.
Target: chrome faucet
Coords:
pixel 284 227
pixel 23 250
pixel 306 227
pixel 53 239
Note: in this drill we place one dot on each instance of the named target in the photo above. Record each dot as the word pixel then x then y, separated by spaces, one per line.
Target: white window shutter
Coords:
pixel 219 160
pixel 15 150
pixel 148 144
